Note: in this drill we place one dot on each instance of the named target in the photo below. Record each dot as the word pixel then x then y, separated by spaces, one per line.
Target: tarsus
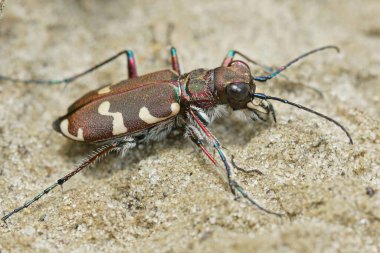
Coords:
pixel 61 181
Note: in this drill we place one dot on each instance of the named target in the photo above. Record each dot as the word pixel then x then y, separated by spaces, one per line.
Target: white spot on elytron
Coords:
pixel 65 130
pixel 148 118
pixel 118 126
pixel 105 90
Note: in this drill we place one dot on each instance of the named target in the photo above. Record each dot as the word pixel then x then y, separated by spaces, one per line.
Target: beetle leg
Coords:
pixel 175 62
pixel 132 71
pixel 231 55
pixel 131 66
pixel 198 140
pixel 99 153
pixel 234 186
pixel 215 143
pixel 244 170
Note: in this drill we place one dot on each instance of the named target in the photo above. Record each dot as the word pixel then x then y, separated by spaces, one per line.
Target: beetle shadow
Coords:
pixel 233 130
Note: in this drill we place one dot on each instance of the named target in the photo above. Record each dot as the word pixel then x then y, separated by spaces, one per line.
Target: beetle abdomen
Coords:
pixel 120 114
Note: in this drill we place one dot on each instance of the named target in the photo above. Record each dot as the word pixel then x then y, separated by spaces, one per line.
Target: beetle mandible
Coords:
pixel 145 108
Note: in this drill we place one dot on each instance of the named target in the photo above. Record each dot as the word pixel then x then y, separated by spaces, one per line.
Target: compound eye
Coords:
pixel 238 91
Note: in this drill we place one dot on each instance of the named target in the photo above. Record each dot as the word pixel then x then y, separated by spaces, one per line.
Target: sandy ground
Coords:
pixel 165 197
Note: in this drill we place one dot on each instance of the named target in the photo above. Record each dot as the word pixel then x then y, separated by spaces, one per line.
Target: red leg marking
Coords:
pixel 175 62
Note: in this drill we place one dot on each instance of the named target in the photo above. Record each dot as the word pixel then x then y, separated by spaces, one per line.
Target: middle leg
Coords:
pixel 234 186
pixel 175 62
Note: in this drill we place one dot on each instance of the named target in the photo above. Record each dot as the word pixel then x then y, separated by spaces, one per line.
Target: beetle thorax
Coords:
pixel 198 88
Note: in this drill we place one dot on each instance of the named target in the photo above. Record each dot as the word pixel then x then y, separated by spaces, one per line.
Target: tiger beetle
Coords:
pixel 146 108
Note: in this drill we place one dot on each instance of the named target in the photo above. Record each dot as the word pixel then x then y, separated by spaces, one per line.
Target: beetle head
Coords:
pixel 235 85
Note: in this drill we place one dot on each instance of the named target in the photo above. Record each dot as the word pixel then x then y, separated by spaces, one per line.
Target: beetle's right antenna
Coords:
pixel 275 73
pixel 266 97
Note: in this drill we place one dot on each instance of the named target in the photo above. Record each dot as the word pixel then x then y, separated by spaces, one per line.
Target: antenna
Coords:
pixel 266 97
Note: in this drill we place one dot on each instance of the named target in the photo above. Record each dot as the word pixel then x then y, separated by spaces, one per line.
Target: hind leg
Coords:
pixel 131 68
